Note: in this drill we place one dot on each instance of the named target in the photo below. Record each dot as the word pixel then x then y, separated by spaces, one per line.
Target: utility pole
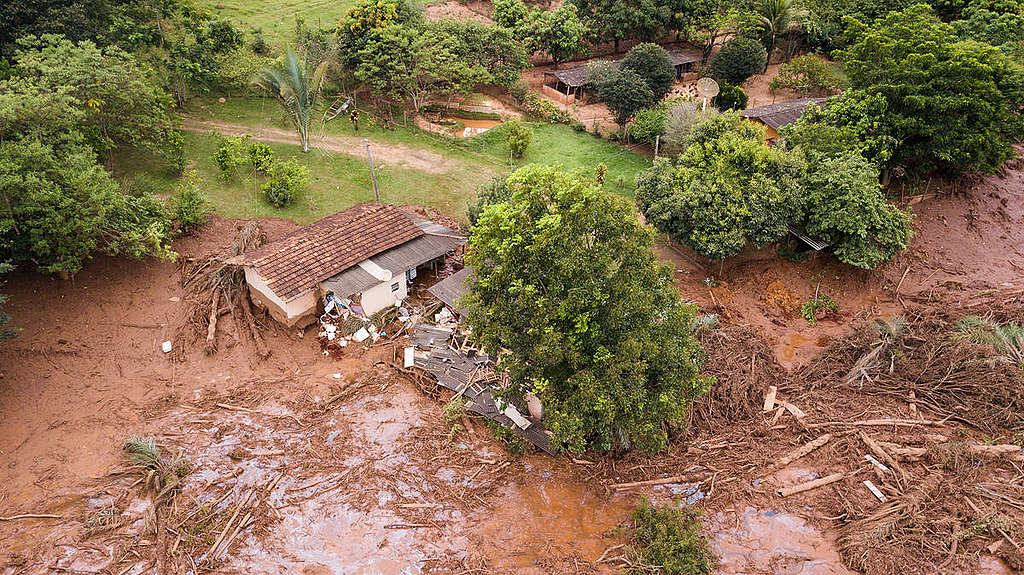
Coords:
pixel 373 174
pixel 657 141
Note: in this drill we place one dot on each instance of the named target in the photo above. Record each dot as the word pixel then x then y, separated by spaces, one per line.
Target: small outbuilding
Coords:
pixel 369 253
pixel 775 116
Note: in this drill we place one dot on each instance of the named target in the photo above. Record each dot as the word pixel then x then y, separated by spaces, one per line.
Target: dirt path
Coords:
pixel 383 153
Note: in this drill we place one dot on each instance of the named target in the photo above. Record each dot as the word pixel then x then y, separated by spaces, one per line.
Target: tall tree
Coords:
pixel 566 286
pixel 778 19
pixel 654 65
pixel 948 105
pixel 727 189
pixel 560 33
pixel 618 20
pixel 296 89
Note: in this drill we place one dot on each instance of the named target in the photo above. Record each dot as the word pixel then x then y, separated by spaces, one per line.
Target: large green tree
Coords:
pixel 845 206
pixel 654 65
pixel 949 105
pixel 60 206
pixel 565 286
pixel 726 190
pixel 618 20
pixel 116 102
pixel 625 93
pixel 560 33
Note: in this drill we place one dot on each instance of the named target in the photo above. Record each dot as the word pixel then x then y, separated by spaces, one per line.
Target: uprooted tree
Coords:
pixel 566 282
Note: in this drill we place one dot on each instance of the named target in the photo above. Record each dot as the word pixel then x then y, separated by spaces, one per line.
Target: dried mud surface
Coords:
pixel 353 469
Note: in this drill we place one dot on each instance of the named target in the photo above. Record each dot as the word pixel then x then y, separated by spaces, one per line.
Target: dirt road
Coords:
pixel 384 153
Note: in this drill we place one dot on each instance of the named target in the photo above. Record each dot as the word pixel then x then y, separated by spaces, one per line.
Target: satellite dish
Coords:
pixel 707 89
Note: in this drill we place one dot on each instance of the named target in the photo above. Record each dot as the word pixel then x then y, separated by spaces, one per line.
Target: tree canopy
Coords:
pixel 946 104
pixel 564 279
pixel 727 189
pixel 652 63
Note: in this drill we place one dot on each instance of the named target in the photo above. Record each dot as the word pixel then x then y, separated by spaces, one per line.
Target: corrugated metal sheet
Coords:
pixel 451 289
pixel 815 244
pixel 416 252
pixel 782 114
pixel 350 282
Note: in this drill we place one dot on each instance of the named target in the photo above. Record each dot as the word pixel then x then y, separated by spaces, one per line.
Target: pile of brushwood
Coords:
pixel 212 288
pixel 955 488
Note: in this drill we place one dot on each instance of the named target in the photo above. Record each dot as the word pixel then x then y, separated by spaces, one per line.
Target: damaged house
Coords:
pixel 369 253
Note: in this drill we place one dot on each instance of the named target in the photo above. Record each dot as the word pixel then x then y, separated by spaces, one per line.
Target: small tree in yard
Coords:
pixel 624 94
pixel 730 98
pixel 285 184
pixel 648 124
pixel 564 280
pixel 738 59
pixel 191 208
pixel 296 89
pixel 654 65
pixel 806 75
pixel 518 137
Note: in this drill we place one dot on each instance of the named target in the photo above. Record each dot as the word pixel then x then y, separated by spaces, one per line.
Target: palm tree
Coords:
pixel 779 18
pixel 296 90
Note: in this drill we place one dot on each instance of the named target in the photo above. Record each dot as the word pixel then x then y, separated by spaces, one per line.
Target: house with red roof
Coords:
pixel 369 253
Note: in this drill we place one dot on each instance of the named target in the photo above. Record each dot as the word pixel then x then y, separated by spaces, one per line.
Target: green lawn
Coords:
pixel 342 180
pixel 277 17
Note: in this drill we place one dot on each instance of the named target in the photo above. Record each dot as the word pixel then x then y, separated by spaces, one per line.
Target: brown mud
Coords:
pixel 356 469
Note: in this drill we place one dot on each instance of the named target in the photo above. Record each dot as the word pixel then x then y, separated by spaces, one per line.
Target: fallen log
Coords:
pixel 821 482
pixel 884 456
pixel 211 329
pixel 878 423
pixel 687 478
pixel 801 451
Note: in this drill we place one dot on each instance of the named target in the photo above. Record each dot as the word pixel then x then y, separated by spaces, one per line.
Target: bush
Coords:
pixel 679 122
pixel 652 63
pixel 738 59
pixel 189 203
pixel 285 184
pixel 669 538
pixel 230 155
pixel 625 94
pixel 648 124
pixel 518 137
pixel 261 157
pixel 730 98
pixel 806 75
pixel 495 191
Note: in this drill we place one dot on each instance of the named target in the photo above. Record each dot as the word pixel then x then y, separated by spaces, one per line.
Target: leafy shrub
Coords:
pixel 518 137
pixel 669 538
pixel 285 184
pixel 495 191
pixel 652 63
pixel 189 203
pixel 230 155
pixel 261 156
pixel 648 124
pixel 820 303
pixel 730 98
pixel 806 75
pixel 738 59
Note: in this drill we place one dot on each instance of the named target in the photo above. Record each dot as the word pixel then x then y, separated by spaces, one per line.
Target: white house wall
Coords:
pixel 290 313
pixel 381 295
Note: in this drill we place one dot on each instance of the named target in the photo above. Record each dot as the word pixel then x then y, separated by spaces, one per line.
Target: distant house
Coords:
pixel 369 253
pixel 568 85
pixel 775 116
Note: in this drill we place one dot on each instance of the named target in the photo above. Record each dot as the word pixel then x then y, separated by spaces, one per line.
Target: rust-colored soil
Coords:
pixel 344 466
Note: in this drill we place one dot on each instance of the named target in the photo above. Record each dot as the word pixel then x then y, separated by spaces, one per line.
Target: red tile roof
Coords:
pixel 309 255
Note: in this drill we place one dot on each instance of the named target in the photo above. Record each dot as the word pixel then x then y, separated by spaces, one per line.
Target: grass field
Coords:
pixel 552 144
pixel 277 18
pixel 341 180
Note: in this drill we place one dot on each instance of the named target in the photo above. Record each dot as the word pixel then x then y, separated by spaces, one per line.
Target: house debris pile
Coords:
pixel 212 288
pixel 443 353
pixel 344 323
